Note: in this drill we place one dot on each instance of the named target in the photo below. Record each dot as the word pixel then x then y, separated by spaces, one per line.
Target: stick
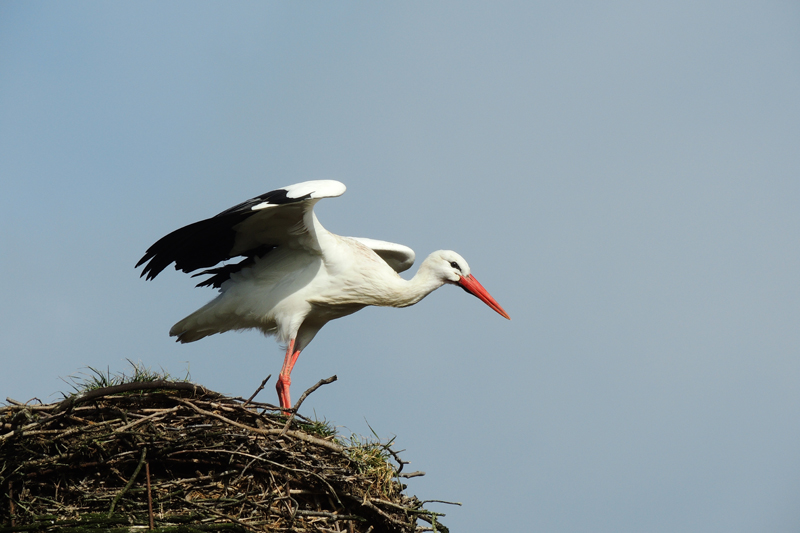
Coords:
pixel 145 418
pixel 217 513
pixel 396 456
pixel 440 501
pixel 127 387
pixel 319 384
pixel 259 389
pixel 130 483
pixel 149 495
pixel 296 434
pixel 11 502
pixel 334 516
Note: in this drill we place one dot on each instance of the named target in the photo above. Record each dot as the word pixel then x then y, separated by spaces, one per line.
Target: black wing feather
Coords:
pixel 222 274
pixel 208 242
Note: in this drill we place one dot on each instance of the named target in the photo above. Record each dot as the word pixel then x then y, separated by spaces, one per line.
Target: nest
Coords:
pixel 175 457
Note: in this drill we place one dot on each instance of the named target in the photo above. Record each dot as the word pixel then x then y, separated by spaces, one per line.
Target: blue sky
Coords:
pixel 624 178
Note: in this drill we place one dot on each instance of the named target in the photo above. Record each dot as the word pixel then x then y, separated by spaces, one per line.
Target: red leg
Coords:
pixel 284 378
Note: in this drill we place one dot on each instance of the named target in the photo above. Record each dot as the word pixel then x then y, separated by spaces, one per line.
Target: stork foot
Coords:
pixel 282 386
pixel 285 377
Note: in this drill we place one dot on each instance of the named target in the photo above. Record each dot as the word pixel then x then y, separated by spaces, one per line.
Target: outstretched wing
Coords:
pixel 250 230
pixel 399 257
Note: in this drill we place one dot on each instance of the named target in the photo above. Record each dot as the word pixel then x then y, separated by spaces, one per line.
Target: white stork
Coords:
pixel 295 276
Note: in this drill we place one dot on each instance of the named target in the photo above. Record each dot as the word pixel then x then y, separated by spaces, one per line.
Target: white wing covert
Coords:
pixel 250 230
pixel 397 256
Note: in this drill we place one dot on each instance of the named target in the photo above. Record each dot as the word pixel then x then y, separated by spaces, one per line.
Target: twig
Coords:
pixel 15 404
pixel 395 455
pixel 369 505
pixel 405 509
pixel 303 397
pixel 11 502
pixel 412 474
pixel 149 495
pixel 130 482
pixel 41 407
pixel 127 387
pixel 440 501
pixel 334 516
pixel 59 432
pixel 200 478
pixel 279 465
pixel 259 389
pixel 431 519
pixel 217 513
pixel 319 384
pixel 145 418
pixel 296 434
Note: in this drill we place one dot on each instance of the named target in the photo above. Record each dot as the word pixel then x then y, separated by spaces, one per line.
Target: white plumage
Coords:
pixel 295 276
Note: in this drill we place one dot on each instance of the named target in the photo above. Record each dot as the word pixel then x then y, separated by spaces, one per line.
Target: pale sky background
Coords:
pixel 623 177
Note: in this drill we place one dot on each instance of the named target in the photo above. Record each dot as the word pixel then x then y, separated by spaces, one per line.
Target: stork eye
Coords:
pixel 455 265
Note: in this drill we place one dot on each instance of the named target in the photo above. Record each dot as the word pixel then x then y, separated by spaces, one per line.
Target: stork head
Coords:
pixel 452 268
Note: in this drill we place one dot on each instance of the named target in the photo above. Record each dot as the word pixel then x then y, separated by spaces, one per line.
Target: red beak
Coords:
pixel 471 285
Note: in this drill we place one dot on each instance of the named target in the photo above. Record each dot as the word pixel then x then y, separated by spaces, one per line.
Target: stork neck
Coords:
pixel 424 282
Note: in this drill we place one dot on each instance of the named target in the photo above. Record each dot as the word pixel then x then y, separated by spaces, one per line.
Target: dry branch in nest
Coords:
pixel 175 457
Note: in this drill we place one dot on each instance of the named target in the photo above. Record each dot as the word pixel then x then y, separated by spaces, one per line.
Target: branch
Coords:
pixel 259 389
pixel 149 496
pixel 146 418
pixel 129 484
pixel 296 434
pixel 319 384
pixel 70 402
